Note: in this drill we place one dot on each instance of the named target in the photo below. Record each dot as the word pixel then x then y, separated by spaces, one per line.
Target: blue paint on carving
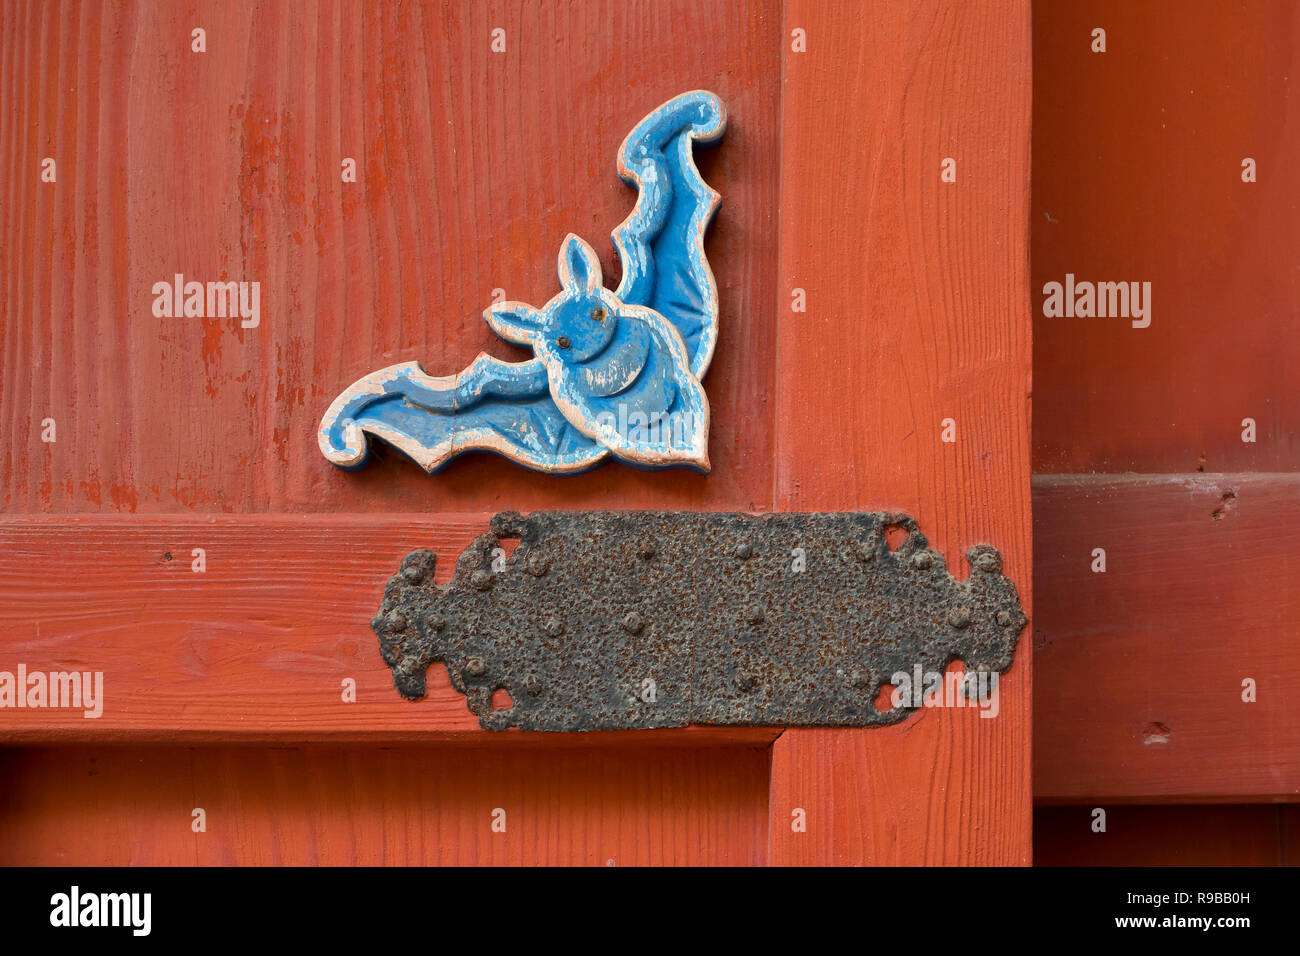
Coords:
pixel 493 406
pixel 615 372
pixel 661 244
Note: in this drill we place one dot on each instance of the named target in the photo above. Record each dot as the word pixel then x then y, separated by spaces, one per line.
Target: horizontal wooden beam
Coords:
pixel 255 647
pixel 1139 692
pixel 1140 667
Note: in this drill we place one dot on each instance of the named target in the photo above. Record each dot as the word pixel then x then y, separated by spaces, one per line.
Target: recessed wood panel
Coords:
pixel 363 805
pixel 472 167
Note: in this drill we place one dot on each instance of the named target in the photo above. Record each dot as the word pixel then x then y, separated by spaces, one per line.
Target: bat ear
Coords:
pixel 579 267
pixel 514 321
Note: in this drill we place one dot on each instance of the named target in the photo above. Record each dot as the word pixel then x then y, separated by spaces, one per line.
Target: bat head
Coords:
pixel 576 324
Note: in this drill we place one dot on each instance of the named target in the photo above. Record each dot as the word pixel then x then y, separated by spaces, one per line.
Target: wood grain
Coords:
pixel 472 167
pixel 261 640
pixel 1137 176
pixel 362 805
pixel 1140 669
pixel 254 648
pixel 917 312
pixel 226 165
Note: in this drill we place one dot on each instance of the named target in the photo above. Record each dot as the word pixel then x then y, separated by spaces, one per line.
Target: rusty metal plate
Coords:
pixel 610 620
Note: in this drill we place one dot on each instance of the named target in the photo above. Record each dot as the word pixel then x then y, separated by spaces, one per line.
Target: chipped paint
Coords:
pixel 613 374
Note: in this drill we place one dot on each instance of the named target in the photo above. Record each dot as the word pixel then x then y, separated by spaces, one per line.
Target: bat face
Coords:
pixel 595 345
pixel 580 325
pixel 575 325
pixel 619 373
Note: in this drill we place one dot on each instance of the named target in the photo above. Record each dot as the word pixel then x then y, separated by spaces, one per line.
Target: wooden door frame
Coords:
pixel 916 312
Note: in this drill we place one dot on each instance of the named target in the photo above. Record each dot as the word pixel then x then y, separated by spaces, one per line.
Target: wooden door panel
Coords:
pixel 260 642
pixel 472 167
pixel 368 805
pixel 1142 661
pixel 1138 156
pixel 256 647
pixel 176 434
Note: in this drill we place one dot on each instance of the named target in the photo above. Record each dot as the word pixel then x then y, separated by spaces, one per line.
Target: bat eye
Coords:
pixel 563 342
pixel 598 315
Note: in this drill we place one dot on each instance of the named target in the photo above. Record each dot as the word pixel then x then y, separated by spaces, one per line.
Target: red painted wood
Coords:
pixel 1140 669
pixel 363 805
pixel 1137 177
pixel 225 165
pixel 255 647
pixel 260 642
pixel 916 312
pixel 1159 836
pixel 472 168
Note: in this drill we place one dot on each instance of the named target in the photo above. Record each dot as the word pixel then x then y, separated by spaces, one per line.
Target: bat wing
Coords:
pixel 661 242
pixel 503 407
pixel 507 407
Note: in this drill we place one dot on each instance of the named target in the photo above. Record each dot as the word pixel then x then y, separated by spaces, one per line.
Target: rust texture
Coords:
pixel 604 620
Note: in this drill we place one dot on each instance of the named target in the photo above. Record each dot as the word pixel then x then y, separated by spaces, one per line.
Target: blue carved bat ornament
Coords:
pixel 614 373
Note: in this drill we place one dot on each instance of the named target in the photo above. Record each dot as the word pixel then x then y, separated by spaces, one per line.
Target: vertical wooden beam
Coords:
pixel 917 312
